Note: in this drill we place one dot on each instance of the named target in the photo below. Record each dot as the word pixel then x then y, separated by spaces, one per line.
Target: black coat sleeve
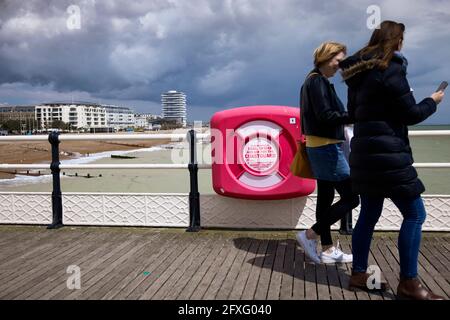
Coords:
pixel 351 105
pixel 398 87
pixel 319 95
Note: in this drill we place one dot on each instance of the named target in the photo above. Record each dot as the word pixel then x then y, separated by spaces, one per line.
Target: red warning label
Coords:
pixel 260 154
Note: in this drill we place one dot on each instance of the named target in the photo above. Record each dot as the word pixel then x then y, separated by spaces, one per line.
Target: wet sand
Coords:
pixel 129 180
pixel 21 152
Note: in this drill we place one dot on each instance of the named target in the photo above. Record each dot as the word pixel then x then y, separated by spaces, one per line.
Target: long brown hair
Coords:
pixel 384 42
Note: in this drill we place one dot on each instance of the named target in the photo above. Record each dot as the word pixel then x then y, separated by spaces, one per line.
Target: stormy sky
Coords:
pixel 221 53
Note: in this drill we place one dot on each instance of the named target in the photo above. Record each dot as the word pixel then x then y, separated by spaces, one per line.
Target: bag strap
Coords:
pixel 311 74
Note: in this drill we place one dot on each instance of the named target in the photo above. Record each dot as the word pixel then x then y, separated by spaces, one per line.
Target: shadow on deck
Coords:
pixel 153 263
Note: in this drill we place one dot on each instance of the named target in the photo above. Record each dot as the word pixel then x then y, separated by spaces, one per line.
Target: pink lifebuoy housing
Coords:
pixel 252 149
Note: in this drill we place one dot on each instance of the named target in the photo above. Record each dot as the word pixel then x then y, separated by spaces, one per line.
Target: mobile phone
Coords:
pixel 442 86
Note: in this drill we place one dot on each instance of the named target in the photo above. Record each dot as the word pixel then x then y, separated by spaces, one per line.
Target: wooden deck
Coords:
pixel 145 263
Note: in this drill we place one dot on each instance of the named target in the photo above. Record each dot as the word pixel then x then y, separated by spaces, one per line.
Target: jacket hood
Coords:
pixel 354 66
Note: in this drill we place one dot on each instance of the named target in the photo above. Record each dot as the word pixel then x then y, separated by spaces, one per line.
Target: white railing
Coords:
pixel 101 166
pixel 164 136
pixel 219 211
pixel 428 133
pixel 104 137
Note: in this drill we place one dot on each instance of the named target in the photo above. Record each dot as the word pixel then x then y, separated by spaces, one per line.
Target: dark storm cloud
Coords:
pixel 222 53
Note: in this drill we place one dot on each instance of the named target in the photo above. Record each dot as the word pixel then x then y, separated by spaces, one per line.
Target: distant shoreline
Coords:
pixel 39 152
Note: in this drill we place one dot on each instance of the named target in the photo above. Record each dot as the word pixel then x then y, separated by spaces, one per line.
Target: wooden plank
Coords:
pixel 187 275
pixel 287 282
pixel 376 258
pixel 166 270
pixel 266 272
pixel 431 254
pixel 426 278
pixel 323 291
pixel 344 271
pixel 158 252
pixel 204 284
pixel 244 273
pixel 15 241
pixel 252 282
pixel 443 241
pixel 102 274
pixel 244 245
pixel 101 268
pixel 333 281
pixel 133 268
pixel 89 249
pixel 340 274
pixel 298 289
pixel 90 268
pixel 425 259
pixel 440 251
pixel 277 271
pixel 372 261
pixel 221 274
pixel 435 257
pixel 23 273
pixel 43 274
pixel 310 281
pixel 137 288
pixel 38 244
pixel 176 271
pixel 25 261
pixel 188 266
pixel 197 283
pixel 110 274
pixel 390 276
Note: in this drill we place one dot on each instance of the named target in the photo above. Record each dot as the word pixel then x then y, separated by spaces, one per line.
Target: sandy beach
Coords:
pixel 40 152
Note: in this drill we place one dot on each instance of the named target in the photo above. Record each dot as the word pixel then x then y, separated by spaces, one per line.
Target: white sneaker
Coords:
pixel 335 256
pixel 309 246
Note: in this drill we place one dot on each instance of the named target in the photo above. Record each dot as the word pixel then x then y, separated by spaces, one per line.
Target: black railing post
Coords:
pixel 57 222
pixel 194 195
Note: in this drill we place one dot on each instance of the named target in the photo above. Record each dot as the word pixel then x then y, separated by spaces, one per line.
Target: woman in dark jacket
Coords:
pixel 382 103
pixel 323 117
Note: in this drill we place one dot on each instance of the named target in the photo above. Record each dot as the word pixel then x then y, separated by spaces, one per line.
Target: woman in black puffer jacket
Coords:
pixel 382 104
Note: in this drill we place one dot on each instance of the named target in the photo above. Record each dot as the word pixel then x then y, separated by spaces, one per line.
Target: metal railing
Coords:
pixel 55 166
pixel 192 136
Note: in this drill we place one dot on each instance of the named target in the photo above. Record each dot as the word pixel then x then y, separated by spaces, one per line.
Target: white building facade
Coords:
pixel 77 115
pixel 119 118
pixel 82 115
pixel 174 107
pixel 145 121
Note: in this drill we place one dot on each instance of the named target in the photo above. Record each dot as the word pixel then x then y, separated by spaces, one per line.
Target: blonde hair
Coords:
pixel 326 51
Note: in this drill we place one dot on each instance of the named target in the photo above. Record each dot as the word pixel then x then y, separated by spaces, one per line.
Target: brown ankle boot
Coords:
pixel 412 289
pixel 358 280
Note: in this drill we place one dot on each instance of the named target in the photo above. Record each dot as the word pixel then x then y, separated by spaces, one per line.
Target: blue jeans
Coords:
pixel 414 214
pixel 328 162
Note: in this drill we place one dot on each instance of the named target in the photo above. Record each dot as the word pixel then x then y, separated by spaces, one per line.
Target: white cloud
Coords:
pixel 220 53
pixel 143 63
pixel 221 80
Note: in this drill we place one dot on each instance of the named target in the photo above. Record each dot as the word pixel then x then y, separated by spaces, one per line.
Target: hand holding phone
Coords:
pixel 439 94
pixel 442 86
